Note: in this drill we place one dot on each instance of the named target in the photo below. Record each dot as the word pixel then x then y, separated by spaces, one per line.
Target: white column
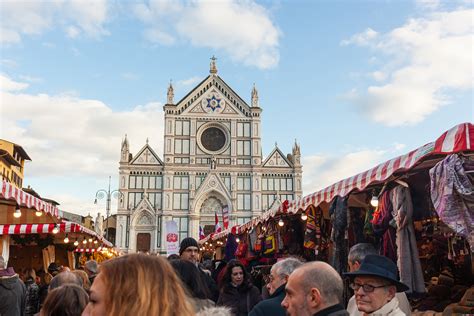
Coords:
pixel 194 226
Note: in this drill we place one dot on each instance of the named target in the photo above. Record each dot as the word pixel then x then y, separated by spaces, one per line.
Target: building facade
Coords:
pixel 12 162
pixel 212 159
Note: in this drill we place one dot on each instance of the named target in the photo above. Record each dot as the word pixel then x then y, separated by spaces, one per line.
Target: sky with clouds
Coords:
pixel 355 82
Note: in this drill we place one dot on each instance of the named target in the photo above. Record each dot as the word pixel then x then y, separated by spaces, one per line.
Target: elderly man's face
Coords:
pixel 191 254
pixel 296 299
pixel 370 301
pixel 275 281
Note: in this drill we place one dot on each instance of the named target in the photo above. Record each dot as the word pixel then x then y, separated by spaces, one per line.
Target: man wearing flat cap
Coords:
pixel 189 251
pixel 375 285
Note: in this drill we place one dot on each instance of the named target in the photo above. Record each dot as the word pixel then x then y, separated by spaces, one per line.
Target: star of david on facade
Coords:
pixel 213 103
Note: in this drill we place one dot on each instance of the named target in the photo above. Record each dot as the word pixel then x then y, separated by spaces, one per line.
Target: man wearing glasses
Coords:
pixel 357 254
pixel 375 285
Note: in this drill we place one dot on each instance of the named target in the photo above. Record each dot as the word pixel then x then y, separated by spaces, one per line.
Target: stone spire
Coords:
pixel 255 97
pixel 213 68
pixel 296 154
pixel 170 94
pixel 125 151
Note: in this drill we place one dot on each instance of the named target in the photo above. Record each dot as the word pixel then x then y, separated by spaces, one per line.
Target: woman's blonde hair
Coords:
pixel 86 284
pixel 138 284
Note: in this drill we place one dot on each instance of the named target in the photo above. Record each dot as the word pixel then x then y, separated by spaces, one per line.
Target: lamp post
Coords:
pixel 102 193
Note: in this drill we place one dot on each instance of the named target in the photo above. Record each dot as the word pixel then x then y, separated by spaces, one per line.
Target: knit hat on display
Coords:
pixel 187 242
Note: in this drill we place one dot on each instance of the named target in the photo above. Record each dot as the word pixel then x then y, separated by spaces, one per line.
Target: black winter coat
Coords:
pixel 240 299
pixel 32 298
pixel 272 305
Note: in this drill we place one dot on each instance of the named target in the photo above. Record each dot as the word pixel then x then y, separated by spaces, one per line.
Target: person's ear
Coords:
pixel 314 297
pixel 392 290
pixel 356 265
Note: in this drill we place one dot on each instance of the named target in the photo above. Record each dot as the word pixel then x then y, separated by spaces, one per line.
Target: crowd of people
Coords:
pixel 139 284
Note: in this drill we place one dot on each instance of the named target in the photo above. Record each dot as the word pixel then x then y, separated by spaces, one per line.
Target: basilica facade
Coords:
pixel 212 159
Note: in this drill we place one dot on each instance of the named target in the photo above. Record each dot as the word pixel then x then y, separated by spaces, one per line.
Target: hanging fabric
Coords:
pixel 71 260
pixel 408 260
pixel 452 193
pixel 338 212
pixel 385 226
pixel 5 247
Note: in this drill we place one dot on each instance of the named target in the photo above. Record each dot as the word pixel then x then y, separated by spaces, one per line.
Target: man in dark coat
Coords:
pixel 276 288
pixel 314 288
pixel 12 292
pixel 189 251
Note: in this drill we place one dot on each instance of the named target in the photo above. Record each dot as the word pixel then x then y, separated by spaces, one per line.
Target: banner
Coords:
pixel 172 242
pixel 225 217
pixel 218 228
pixel 201 233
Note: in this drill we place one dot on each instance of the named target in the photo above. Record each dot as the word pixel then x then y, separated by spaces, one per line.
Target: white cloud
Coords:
pixel 72 31
pixel 244 30
pixel 30 78
pixel 362 38
pixel 190 81
pixel 428 4
pixel 9 63
pixel 48 44
pixel 323 170
pixel 379 76
pixel 129 76
pixel 429 59
pixel 67 135
pixel 20 18
pixel 399 146
pixel 7 84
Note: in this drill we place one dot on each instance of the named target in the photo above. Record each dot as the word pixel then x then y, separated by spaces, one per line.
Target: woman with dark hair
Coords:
pixel 66 300
pixel 237 291
pixel 195 285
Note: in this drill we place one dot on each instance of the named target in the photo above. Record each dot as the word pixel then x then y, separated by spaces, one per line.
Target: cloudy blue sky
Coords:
pixel 355 82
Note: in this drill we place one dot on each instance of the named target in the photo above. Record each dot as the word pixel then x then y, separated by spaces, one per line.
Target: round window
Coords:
pixel 213 139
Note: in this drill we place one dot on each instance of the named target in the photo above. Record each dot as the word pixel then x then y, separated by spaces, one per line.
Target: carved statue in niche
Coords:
pixel 211 205
pixel 144 220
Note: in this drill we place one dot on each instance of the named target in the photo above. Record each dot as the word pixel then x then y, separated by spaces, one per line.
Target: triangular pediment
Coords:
pixel 277 159
pixel 146 156
pixel 143 214
pixel 213 182
pixel 213 97
pixel 144 204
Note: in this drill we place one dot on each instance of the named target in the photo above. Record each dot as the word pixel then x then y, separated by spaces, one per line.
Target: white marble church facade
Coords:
pixel 212 159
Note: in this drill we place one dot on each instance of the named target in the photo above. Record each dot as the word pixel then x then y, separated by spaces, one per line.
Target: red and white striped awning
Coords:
pixel 10 192
pixel 65 227
pixel 458 139
pixel 20 229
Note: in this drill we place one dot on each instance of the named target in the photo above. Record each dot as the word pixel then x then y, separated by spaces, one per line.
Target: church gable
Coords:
pixel 213 96
pixel 213 182
pixel 277 159
pixel 146 156
pixel 144 204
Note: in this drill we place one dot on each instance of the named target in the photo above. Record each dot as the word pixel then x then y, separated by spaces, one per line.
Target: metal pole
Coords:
pixel 108 212
pixel 100 194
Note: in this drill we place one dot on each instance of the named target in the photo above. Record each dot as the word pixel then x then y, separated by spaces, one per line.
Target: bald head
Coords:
pixel 320 275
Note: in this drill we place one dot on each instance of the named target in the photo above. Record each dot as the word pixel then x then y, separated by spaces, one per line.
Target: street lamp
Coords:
pixel 102 193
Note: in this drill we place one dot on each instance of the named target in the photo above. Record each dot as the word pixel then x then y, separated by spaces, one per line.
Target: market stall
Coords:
pixel 417 209
pixel 33 233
